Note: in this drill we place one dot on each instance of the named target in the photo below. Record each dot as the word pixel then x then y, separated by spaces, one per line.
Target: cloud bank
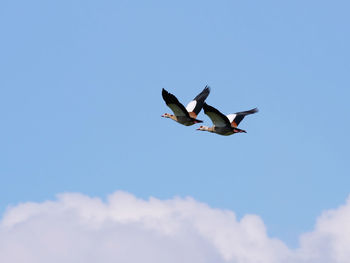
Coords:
pixel 125 229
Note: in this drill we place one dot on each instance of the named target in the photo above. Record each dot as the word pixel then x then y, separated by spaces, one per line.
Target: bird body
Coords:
pixel 186 116
pixel 226 131
pixel 224 125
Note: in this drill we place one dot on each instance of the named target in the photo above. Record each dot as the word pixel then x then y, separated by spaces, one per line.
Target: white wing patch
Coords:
pixel 190 106
pixel 231 117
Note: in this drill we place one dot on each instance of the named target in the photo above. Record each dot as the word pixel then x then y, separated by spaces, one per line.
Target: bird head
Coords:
pixel 166 115
pixel 202 128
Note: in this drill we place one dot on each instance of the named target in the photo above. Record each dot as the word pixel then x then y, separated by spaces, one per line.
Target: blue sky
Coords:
pixel 80 103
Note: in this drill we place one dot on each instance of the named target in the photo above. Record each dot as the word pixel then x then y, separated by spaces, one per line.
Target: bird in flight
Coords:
pixel 224 125
pixel 186 116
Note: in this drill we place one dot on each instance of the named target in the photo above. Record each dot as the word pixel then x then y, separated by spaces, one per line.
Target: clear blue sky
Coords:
pixel 80 103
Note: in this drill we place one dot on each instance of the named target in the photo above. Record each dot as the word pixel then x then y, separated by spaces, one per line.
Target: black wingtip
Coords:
pixel 207 88
pixel 252 111
pixel 255 110
pixel 165 94
pixel 206 91
pixel 202 96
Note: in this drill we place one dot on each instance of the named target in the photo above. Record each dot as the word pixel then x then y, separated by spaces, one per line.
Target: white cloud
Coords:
pixel 330 240
pixel 77 228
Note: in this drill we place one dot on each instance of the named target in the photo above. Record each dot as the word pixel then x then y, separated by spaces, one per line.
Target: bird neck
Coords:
pixel 173 117
pixel 209 129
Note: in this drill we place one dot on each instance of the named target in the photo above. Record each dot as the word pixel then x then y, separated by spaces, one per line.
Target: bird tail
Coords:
pixel 236 130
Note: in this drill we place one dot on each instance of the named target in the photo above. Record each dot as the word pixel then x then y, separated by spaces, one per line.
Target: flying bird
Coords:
pixel 224 125
pixel 186 116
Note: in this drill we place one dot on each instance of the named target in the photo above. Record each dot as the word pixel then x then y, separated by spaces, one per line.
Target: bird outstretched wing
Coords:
pixel 237 117
pixel 196 104
pixel 218 119
pixel 174 104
